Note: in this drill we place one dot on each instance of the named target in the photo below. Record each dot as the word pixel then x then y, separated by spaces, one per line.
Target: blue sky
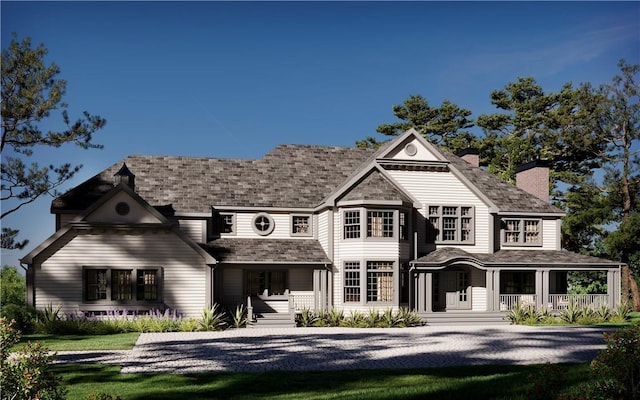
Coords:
pixel 235 79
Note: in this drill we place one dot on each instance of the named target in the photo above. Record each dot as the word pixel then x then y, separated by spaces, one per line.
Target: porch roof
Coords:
pixel 267 251
pixel 522 258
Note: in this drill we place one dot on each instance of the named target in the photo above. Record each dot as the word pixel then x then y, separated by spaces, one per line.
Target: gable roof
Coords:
pixel 290 176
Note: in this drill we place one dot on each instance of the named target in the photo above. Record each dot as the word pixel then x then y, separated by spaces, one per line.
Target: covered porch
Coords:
pixel 271 276
pixel 451 281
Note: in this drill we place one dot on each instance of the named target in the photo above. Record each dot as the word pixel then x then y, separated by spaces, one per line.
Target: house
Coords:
pixel 407 225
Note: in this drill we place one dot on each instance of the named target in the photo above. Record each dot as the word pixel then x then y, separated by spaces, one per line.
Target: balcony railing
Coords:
pixel 298 302
pixel 509 301
pixel 556 302
pixel 562 301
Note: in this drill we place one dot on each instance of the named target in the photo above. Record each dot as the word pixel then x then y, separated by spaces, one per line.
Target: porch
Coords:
pixel 452 280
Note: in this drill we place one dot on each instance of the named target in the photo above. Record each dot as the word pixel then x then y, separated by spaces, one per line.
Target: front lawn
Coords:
pixel 119 341
pixel 476 382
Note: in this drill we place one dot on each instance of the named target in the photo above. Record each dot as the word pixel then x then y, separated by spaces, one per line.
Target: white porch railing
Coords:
pixel 562 301
pixel 509 301
pixel 299 301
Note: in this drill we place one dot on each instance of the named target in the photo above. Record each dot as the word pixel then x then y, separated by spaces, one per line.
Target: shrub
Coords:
pixel 356 319
pixel 26 374
pixel 623 310
pixel 571 314
pixel 333 317
pixel 213 319
pixel 519 314
pixel 617 368
pixel 239 317
pixel 307 318
pixel 409 318
pixel 24 316
pixel 372 318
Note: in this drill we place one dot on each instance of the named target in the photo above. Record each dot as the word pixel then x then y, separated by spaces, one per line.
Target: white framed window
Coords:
pixel 380 224
pixel 403 225
pixel 352 282
pixel 301 225
pixel 263 224
pixel 380 285
pixel 128 286
pixel 450 224
pixel 227 223
pixel 351 224
pixel 521 232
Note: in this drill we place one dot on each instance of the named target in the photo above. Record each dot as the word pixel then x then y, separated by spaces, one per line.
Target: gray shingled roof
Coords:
pixel 289 176
pixel 447 255
pixel 236 250
pixel 375 187
pixel 507 197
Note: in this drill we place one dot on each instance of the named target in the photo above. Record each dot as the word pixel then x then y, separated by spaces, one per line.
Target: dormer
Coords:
pixel 124 175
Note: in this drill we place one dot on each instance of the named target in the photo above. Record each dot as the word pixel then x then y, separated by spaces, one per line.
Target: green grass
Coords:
pixel 473 382
pixel 120 341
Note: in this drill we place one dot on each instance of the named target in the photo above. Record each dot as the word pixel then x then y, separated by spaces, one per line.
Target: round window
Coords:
pixel 263 224
pixel 122 208
pixel 410 149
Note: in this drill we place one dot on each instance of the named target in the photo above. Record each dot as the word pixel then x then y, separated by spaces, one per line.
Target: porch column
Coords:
pixel 539 288
pixel 613 287
pixel 491 305
pixel 496 290
pixel 316 289
pixel 544 301
pixel 423 296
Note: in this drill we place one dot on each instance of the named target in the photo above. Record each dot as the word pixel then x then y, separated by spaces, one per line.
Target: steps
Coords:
pixel 465 318
pixel 272 320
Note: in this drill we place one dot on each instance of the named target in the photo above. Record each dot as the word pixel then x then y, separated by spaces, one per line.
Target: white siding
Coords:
pixel 194 228
pixel 439 188
pixel 323 231
pixel 422 153
pixel 59 280
pixel 244 225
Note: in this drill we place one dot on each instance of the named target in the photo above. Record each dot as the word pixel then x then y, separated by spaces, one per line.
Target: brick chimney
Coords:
pixel 470 155
pixel 533 177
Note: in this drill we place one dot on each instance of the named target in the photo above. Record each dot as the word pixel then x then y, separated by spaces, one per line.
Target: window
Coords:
pixel 380 224
pixel 227 223
pixel 147 284
pixel 450 224
pixel 352 281
pixel 122 285
pixel 521 232
pixel 301 225
pixel 263 224
pixel 351 224
pixel 96 284
pixel 379 281
pixel 403 226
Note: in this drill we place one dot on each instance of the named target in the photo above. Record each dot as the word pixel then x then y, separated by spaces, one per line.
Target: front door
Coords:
pixel 458 291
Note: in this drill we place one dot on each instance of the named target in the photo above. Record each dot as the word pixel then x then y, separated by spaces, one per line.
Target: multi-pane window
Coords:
pixel 300 225
pixel 351 224
pixel 352 281
pixel 263 224
pixel 379 281
pixel 147 284
pixel 522 232
pixel 380 224
pixel 121 284
pixel 226 223
pixel 96 284
pixel 404 226
pixel 450 224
